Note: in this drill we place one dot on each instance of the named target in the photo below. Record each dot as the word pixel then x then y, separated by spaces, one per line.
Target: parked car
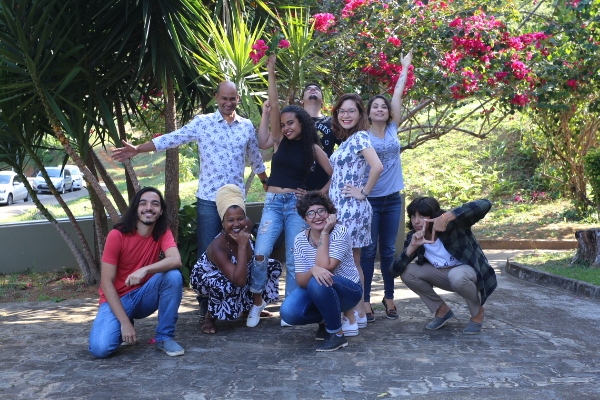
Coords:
pixel 11 188
pixel 61 181
pixel 78 181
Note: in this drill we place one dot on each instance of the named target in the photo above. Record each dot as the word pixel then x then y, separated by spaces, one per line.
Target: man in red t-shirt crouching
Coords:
pixel 134 283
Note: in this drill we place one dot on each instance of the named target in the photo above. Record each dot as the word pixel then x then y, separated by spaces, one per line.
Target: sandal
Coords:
pixel 370 315
pixel 391 313
pixel 209 326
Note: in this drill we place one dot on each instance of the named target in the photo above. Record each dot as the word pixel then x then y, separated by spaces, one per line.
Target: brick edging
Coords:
pixel 580 288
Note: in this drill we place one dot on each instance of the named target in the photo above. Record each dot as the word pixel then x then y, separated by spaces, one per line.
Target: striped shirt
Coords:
pixel 339 248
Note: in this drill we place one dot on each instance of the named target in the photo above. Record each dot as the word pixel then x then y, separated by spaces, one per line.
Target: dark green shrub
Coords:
pixel 592 171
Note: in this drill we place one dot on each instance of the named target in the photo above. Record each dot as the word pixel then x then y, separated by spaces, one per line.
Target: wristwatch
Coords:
pixel 264 181
pixel 362 191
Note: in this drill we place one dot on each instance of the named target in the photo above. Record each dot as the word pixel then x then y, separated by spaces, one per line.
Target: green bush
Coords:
pixel 592 171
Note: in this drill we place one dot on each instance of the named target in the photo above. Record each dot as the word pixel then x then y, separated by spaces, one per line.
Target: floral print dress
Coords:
pixel 226 301
pixel 349 167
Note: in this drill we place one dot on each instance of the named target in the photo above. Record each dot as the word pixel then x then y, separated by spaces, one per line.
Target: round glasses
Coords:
pixel 312 214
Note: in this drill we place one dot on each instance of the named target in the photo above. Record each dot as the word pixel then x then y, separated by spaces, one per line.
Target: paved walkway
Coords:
pixel 537 343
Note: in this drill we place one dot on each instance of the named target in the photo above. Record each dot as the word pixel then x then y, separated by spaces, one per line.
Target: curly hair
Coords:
pixel 363 122
pixel 311 198
pixel 387 104
pixel 309 134
pixel 426 206
pixel 130 219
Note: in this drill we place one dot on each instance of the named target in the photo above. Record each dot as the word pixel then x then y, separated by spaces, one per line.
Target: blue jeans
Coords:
pixel 209 224
pixel 162 292
pixel 317 303
pixel 385 223
pixel 278 214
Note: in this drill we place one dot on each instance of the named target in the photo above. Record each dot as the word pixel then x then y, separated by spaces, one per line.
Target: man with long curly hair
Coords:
pixel 135 281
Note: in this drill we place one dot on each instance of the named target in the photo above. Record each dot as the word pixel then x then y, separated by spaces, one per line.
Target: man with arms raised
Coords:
pixel 312 101
pixel 134 283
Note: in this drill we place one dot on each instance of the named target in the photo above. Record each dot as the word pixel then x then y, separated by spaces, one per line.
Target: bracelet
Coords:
pixel 362 191
pixel 444 215
pixel 324 233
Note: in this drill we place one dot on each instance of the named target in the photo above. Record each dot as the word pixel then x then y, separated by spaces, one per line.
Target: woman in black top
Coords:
pixel 294 139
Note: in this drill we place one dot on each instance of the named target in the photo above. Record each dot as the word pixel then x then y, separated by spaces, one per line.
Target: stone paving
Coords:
pixel 537 343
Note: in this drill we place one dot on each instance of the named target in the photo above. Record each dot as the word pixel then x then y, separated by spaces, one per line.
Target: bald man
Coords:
pixel 224 140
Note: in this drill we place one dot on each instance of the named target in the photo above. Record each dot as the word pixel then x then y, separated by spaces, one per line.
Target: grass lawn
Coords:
pixel 559 263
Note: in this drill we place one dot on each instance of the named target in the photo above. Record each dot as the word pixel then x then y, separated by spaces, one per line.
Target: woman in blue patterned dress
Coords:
pixel 347 191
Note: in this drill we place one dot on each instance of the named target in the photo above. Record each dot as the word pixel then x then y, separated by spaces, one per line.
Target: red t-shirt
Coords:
pixel 130 252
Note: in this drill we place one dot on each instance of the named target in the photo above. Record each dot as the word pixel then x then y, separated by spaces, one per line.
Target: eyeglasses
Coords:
pixel 349 112
pixel 312 214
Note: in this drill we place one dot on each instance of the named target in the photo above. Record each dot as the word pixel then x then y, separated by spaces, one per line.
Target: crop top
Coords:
pixel 287 166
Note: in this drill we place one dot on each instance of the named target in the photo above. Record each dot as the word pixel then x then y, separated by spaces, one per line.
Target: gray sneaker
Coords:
pixel 170 347
pixel 333 342
pixel 438 322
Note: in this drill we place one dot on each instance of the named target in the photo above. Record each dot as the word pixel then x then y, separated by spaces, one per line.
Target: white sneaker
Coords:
pixel 254 314
pixel 283 323
pixel 362 322
pixel 348 328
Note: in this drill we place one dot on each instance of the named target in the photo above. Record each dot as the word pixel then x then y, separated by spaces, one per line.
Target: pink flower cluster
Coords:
pixel 395 41
pixel 520 99
pixel 323 22
pixel 572 83
pixel 389 73
pixel 351 5
pixel 260 49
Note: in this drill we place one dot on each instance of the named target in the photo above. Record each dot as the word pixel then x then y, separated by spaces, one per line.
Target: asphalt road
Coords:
pixel 21 206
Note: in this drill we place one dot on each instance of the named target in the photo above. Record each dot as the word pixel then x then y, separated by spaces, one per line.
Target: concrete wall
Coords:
pixel 37 245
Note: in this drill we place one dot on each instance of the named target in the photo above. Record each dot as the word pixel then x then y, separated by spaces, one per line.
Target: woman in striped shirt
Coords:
pixel 325 272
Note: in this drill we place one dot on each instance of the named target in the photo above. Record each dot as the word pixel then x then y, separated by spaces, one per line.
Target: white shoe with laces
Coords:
pixel 348 328
pixel 254 314
pixel 362 322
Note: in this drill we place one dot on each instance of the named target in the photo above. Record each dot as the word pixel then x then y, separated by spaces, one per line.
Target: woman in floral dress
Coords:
pixel 222 273
pixel 347 191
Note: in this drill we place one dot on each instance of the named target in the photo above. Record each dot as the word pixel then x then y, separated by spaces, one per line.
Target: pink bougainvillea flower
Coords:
pixel 395 41
pixel 323 22
pixel 284 44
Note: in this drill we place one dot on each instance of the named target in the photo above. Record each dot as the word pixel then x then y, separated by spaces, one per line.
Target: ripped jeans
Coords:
pixel 278 214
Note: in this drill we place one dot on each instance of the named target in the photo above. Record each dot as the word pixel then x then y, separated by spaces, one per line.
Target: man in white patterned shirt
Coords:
pixel 224 140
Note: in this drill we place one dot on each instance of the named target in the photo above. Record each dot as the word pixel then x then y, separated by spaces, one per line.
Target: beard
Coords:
pixel 313 97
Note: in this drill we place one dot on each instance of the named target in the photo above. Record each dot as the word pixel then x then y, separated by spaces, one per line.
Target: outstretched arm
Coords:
pixel 274 101
pixel 128 150
pixel 399 89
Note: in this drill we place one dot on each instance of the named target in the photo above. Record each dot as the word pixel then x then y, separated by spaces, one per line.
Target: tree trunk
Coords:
pixel 589 247
pixel 90 268
pixel 133 186
pixel 110 184
pixel 90 272
pixel 100 219
pixel 172 161
pixel 90 179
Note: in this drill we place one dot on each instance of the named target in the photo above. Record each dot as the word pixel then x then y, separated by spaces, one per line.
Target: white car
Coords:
pixel 61 181
pixel 11 188
pixel 78 181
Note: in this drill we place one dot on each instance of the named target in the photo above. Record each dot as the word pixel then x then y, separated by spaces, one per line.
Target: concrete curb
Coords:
pixel 525 244
pixel 547 279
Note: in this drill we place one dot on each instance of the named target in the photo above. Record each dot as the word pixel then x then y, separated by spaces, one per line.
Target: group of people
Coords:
pixel 334 190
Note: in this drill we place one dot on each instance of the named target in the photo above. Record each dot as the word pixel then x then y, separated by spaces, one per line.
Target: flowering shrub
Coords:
pixel 260 49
